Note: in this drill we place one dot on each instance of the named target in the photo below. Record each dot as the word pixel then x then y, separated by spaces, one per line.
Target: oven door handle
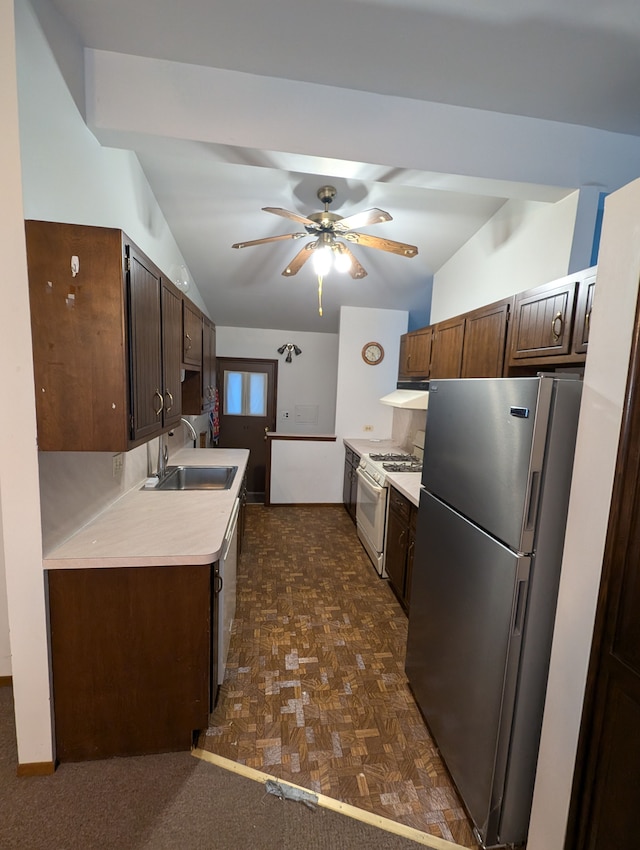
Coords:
pixel 374 488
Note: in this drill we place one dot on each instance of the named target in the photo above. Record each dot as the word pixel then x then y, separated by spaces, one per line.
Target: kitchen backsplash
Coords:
pixel 405 425
pixel 77 486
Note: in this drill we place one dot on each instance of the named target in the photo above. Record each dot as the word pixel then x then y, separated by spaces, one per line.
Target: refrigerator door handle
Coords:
pixel 518 620
pixel 532 501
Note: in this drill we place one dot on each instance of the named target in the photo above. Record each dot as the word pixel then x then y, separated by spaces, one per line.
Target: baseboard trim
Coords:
pixel 36 768
pixel 6 681
pixel 369 818
pixel 304 504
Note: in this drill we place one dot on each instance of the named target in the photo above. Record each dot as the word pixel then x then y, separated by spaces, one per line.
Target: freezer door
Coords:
pixel 484 450
pixel 468 603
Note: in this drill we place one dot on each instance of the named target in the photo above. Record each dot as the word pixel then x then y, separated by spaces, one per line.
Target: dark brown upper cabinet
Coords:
pixel 192 342
pixel 584 308
pixel 446 348
pixel 542 321
pixel 485 339
pixel 415 355
pixel 107 339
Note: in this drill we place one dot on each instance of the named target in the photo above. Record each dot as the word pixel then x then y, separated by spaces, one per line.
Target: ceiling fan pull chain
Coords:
pixel 320 294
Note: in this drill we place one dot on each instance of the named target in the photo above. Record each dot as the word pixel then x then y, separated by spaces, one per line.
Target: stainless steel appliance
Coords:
pixel 496 477
pixel 227 567
pixel 372 500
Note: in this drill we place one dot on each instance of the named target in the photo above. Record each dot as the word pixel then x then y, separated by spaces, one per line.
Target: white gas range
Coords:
pixel 372 502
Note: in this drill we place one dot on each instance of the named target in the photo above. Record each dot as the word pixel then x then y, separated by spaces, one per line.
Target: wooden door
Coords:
pixel 248 393
pixel 79 337
pixel 485 337
pixel 605 806
pixel 446 349
pixel 415 354
pixel 147 398
pixel 582 323
pixel 130 659
pixel 171 353
pixel 397 541
pixel 542 321
pixel 192 343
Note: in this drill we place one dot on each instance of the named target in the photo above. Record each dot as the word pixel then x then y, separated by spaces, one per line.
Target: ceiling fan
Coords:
pixel 328 229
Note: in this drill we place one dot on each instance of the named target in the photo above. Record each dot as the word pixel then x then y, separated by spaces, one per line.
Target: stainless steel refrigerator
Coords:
pixel 496 477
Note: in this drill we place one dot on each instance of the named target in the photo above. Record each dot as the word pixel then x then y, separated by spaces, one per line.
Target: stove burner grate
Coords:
pixel 410 466
pixel 391 456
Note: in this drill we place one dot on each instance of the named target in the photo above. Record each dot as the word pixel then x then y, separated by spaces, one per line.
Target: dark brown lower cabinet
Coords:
pixel 132 658
pixel 401 528
pixel 350 482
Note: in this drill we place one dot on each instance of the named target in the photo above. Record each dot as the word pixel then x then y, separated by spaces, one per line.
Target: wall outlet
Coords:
pixel 118 464
pixel 285 414
pixel 367 427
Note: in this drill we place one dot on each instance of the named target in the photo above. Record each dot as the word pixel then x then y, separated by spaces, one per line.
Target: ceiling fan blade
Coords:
pixel 363 219
pixel 299 260
pixel 291 215
pixel 356 271
pixel 268 239
pixel 367 241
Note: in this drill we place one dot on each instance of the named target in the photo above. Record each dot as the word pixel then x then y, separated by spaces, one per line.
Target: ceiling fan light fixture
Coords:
pixel 323 255
pixel 341 260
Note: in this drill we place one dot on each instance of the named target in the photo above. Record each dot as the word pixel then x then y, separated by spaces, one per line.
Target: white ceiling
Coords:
pixel 575 62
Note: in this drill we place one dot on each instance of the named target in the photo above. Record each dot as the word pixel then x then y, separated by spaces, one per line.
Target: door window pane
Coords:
pixel 245 393
pixel 257 393
pixel 233 393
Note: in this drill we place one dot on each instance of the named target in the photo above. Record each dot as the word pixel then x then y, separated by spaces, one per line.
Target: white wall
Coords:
pixel 600 417
pixel 359 388
pixel 525 244
pixel 306 472
pixel 66 176
pixel 359 413
pixel 5 645
pixel 310 379
pixel 21 553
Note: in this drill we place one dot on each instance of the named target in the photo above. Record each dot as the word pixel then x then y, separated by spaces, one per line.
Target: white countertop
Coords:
pixel 158 527
pixel 408 483
pixel 362 447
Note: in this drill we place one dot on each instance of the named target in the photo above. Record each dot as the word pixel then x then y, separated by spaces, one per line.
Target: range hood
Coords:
pixel 411 395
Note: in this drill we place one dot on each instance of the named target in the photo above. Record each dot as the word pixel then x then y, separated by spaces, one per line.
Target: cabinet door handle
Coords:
pixel 167 392
pixel 189 340
pixel 159 410
pixel 554 324
pixel 587 321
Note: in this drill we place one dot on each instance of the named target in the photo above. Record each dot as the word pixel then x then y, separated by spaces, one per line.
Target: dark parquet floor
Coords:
pixel 315 692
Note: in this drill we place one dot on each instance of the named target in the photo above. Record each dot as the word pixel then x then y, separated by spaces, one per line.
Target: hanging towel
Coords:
pixel 214 418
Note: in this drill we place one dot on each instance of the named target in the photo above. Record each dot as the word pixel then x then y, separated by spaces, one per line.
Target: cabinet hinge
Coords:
pixel 132 424
pixel 127 264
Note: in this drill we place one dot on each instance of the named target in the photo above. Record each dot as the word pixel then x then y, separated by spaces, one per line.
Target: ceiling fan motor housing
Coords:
pixel 326 194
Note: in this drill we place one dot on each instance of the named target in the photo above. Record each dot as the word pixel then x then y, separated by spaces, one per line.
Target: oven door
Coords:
pixel 371 517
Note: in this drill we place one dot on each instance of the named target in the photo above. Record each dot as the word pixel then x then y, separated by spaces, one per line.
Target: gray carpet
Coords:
pixel 164 802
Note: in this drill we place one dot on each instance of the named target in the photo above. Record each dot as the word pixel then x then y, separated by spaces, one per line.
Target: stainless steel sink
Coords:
pixel 197 478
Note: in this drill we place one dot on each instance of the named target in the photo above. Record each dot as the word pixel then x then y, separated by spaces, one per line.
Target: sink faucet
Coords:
pixel 163 457
pixel 191 430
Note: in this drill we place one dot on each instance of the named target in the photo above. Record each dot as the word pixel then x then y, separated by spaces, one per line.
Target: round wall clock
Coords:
pixel 372 353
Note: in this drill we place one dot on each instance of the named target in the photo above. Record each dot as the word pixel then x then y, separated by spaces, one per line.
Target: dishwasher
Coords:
pixel 227 566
